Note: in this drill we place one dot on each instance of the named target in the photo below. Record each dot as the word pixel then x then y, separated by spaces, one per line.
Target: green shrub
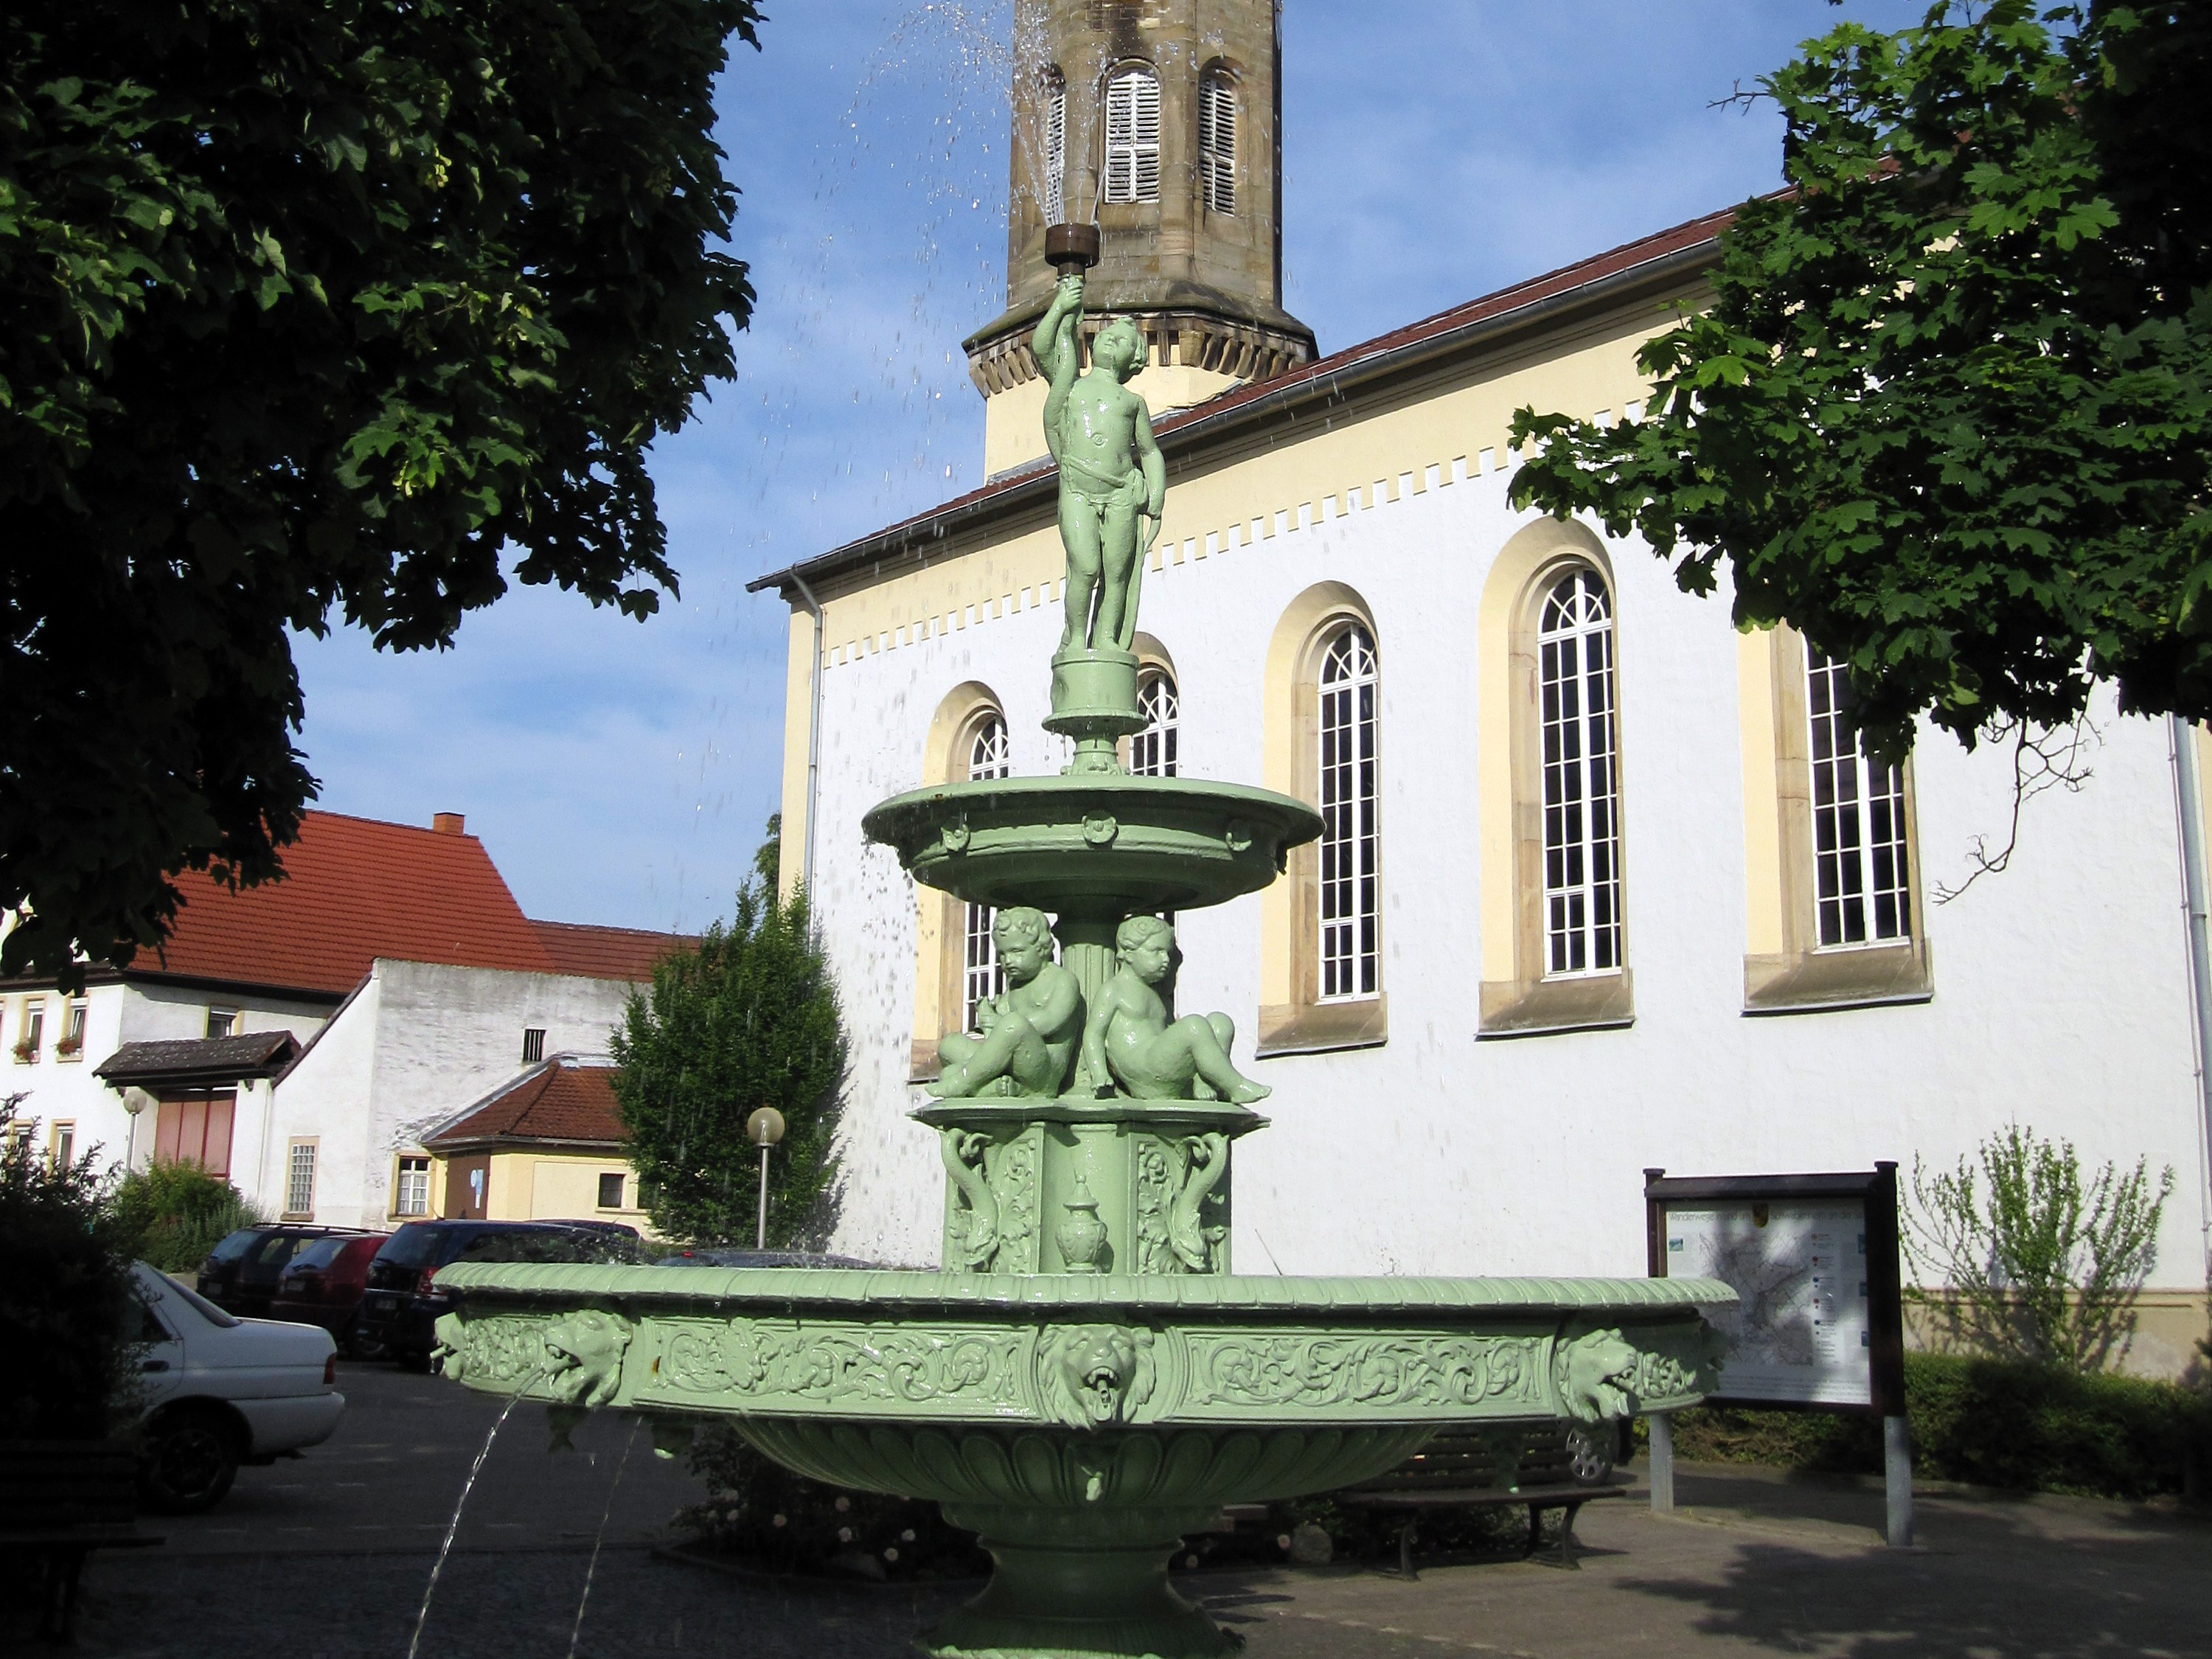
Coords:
pixel 1988 1422
pixel 786 1523
pixel 173 1214
pixel 67 1323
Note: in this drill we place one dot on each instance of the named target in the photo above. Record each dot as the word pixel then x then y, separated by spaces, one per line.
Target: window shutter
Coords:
pixel 1217 143
pixel 1132 138
pixel 1056 155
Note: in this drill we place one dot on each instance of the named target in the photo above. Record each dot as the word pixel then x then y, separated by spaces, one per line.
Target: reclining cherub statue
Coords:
pixel 1027 1034
pixel 1128 1037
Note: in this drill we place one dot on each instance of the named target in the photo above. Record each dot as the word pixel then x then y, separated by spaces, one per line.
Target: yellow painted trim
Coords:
pixel 1765 928
pixel 798 740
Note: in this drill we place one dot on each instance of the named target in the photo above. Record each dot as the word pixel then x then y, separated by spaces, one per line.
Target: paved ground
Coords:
pixel 327 1558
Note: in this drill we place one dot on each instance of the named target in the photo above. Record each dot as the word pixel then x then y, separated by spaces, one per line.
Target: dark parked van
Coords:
pixel 403 1299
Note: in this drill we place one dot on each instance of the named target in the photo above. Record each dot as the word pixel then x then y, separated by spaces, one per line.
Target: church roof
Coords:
pixel 354 889
pixel 563 1100
pixel 1667 256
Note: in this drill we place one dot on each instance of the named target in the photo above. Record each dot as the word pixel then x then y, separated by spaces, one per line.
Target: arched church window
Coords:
pixel 1056 150
pixel 1133 137
pixel 989 756
pixel 1581 783
pixel 1351 898
pixel 1862 891
pixel 1152 750
pixel 1217 141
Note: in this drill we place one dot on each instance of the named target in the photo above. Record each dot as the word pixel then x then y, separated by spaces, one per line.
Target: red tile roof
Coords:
pixel 354 889
pixel 608 952
pixel 1697 241
pixel 559 1102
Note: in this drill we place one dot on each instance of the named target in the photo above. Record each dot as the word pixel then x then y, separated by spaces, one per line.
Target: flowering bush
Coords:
pixel 759 1508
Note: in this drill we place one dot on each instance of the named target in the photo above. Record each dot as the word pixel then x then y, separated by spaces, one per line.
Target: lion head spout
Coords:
pixel 1090 1375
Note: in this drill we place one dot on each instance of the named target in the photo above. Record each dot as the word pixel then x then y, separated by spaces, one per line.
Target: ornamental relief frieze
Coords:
pixel 768 1362
pixel 1449 1375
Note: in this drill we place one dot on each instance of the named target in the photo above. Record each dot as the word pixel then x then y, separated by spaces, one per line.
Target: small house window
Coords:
pixel 611 1192
pixel 414 1191
pixel 64 1144
pixel 300 1180
pixel 1133 137
pixel 533 1045
pixel 72 1040
pixel 33 1032
pixel 1056 151
pixel 1217 141
pixel 222 1022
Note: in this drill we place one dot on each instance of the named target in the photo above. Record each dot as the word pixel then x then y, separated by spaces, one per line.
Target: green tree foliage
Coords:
pixel 67 1321
pixel 305 306
pixel 2029 1260
pixel 750 1019
pixel 173 1214
pixel 1949 412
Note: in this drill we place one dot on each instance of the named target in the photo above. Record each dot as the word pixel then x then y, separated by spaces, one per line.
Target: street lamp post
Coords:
pixel 763 1129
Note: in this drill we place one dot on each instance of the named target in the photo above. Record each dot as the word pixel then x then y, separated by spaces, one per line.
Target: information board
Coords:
pixel 1813 1259
pixel 1799 1330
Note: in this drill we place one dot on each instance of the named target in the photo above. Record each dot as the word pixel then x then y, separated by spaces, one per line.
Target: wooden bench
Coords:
pixel 1543 1466
pixel 59 1501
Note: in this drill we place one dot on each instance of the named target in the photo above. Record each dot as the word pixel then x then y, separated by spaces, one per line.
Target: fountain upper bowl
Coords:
pixel 1104 843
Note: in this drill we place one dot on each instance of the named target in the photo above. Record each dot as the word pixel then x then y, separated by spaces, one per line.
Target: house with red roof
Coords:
pixel 303 1037
pixel 548 1142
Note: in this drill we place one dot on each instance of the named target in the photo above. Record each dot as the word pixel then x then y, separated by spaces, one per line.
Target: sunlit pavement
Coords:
pixel 327 1557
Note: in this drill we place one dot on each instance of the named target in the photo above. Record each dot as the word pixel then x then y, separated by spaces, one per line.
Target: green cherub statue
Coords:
pixel 1111 473
pixel 1028 1033
pixel 1128 1037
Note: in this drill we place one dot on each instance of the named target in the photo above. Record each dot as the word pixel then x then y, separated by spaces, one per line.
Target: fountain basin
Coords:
pixel 1081 1424
pixel 1093 844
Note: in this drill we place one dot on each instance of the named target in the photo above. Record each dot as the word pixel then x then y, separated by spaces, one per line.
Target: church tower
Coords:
pixel 1159 121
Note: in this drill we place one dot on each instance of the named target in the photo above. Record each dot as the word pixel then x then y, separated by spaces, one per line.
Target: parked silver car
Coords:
pixel 220 1391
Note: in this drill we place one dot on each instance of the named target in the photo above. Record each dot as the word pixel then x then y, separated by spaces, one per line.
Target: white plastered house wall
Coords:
pixel 65 1091
pixel 2062 995
pixel 415 1044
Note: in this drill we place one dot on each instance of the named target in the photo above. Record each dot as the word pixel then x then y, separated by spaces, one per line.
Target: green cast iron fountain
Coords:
pixel 1085 1382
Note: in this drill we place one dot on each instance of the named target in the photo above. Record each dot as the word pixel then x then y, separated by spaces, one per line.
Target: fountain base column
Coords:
pixel 1090 1583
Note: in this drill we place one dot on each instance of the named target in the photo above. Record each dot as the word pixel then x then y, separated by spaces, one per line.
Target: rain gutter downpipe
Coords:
pixel 813 608
pixel 2189 799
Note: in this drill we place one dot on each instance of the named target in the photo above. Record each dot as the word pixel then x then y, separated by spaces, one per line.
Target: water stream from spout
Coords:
pixel 577 1634
pixel 468 1485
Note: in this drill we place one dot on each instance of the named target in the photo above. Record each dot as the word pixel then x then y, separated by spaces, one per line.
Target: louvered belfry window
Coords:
pixel 1217 142
pixel 1056 152
pixel 1133 137
pixel 989 756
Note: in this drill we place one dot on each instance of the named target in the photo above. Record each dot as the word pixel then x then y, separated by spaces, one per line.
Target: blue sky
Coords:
pixel 1433 150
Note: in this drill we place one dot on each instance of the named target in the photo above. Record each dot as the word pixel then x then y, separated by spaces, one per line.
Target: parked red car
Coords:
pixel 323 1285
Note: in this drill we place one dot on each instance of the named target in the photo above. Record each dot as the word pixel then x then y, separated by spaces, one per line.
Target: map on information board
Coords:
pixel 1799 1331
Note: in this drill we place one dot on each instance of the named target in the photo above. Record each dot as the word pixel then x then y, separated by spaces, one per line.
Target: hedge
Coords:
pixel 1990 1423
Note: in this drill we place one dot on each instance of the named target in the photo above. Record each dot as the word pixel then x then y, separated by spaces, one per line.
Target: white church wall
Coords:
pixel 2060 994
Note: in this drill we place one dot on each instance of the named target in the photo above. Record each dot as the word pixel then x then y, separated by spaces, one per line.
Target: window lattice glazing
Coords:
pixel 1056 152
pixel 1581 785
pixel 1152 750
pixel 414 1197
pixel 989 756
pixel 1217 142
pixel 1351 897
pixel 1133 137
pixel 1862 891
pixel 300 1180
